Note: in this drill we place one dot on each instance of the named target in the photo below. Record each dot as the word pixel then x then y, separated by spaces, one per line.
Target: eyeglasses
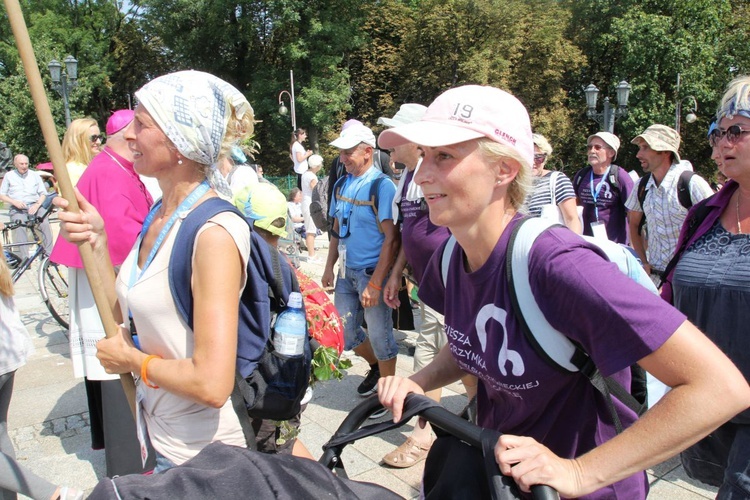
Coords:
pixel 595 147
pixel 733 134
pixel 539 158
pixel 99 137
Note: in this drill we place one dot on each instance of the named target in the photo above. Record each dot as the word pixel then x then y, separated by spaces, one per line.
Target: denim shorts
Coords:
pixel 379 318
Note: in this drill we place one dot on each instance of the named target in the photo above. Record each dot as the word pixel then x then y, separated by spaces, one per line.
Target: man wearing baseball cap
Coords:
pixel 112 185
pixel 365 243
pixel 602 189
pixel 657 198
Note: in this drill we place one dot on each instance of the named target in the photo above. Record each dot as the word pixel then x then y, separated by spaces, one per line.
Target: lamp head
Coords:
pixel 283 110
pixel 591 95
pixel 55 69
pixel 623 93
pixel 71 67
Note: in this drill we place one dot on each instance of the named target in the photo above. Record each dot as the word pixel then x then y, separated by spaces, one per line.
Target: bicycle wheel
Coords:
pixel 53 285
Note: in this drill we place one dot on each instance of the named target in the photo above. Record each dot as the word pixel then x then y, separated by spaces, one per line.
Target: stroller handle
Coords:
pixel 470 434
pixel 437 416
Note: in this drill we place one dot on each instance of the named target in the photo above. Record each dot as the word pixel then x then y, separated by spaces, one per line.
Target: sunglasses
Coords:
pixel 733 134
pixel 99 137
pixel 595 147
pixel 539 158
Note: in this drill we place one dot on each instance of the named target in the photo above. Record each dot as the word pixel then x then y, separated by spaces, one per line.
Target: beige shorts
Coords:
pixel 431 337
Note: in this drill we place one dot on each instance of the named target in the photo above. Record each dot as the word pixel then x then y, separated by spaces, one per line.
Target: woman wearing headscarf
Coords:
pixel 711 285
pixel 183 124
pixel 112 186
pixel 557 428
pixel 81 142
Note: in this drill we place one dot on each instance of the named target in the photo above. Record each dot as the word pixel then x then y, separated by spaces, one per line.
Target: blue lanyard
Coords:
pixel 595 192
pixel 186 205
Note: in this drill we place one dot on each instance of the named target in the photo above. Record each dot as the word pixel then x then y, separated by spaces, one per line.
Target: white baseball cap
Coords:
pixel 354 135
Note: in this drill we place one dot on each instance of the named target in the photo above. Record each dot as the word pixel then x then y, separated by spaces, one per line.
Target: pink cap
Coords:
pixel 469 112
pixel 119 120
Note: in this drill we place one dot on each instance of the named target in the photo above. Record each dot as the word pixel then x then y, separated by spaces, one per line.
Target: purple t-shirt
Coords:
pixel 419 237
pixel 581 294
pixel 610 203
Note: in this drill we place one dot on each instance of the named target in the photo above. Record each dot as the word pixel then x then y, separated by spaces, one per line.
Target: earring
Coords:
pixel 179 161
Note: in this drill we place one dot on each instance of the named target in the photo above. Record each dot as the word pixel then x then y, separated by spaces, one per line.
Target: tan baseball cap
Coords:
pixel 661 138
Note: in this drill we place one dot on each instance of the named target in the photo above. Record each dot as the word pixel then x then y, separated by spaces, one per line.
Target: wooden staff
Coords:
pixel 43 113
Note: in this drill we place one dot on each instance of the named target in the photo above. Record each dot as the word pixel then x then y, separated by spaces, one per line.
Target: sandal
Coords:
pixel 408 454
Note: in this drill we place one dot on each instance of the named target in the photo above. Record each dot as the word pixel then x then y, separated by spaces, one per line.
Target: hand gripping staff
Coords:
pixel 43 113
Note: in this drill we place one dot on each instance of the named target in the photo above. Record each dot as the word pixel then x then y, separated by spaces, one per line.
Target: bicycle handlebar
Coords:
pixel 34 219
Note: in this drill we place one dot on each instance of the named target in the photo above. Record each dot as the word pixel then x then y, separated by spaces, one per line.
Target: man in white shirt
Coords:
pixel 661 203
pixel 24 191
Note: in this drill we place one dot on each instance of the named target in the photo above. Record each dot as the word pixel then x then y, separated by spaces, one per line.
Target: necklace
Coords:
pixel 737 206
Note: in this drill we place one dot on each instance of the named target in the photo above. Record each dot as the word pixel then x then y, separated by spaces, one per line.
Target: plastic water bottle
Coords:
pixel 290 329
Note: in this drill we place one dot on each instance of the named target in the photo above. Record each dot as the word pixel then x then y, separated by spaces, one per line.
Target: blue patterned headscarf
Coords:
pixel 192 108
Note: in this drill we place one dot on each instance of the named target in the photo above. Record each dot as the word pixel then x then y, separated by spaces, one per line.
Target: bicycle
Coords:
pixel 52 278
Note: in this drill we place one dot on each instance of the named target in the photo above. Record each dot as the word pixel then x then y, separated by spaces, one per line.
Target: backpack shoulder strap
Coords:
pixel 553 185
pixel 683 188
pixel 557 349
pixel 551 344
pixel 374 190
pixel 641 195
pixel 614 176
pixel 445 259
pixel 642 188
pixel 181 260
pixel 577 178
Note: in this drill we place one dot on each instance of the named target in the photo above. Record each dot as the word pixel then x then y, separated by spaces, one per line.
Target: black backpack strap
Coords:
pixel 642 198
pixel 577 178
pixel 683 189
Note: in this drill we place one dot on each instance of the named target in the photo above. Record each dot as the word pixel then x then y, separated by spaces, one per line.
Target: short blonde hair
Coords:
pixel 521 185
pixel 542 143
pixel 76 145
pixel 237 131
pixel 736 98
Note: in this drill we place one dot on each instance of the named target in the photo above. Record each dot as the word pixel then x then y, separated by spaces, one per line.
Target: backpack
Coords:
pixel 372 198
pixel 613 177
pixel 268 385
pixel 319 205
pixel 683 193
pixel 552 345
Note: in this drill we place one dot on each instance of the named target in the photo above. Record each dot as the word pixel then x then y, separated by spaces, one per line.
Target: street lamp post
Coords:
pixel 283 109
pixel 678 103
pixel 606 118
pixel 63 82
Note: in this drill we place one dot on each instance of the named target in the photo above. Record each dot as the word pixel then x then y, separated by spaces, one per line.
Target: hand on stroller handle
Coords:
pixel 350 431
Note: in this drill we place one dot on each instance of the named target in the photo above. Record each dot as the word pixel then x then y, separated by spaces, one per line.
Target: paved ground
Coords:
pixel 48 418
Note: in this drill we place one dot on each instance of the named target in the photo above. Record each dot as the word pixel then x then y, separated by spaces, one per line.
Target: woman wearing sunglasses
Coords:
pixel 552 190
pixel 81 143
pixel 711 285
pixel 475 174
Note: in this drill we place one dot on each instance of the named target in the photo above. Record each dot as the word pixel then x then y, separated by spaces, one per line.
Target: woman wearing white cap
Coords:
pixel 478 151
pixel 183 123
